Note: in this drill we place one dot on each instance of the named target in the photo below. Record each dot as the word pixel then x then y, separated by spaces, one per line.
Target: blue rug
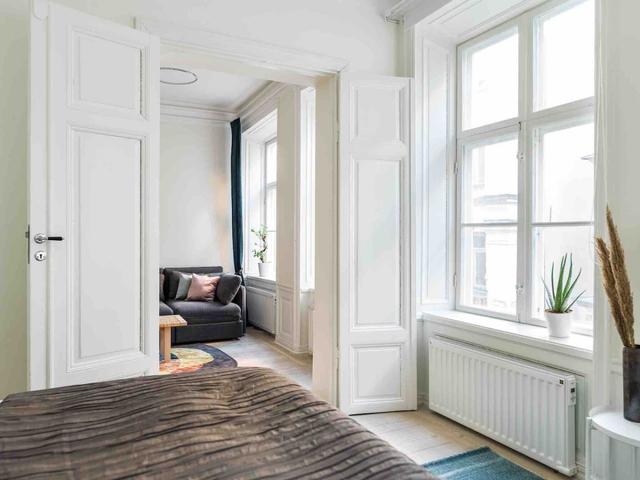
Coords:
pixel 480 464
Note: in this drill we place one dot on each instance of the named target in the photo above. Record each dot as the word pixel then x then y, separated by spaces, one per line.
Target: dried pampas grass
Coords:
pixel 616 282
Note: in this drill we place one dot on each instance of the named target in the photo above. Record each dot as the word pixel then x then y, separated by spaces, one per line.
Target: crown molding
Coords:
pixel 196 112
pixel 267 95
pixel 397 13
pixel 244 50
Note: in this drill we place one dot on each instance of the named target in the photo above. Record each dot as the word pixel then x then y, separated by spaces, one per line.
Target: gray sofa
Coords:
pixel 206 321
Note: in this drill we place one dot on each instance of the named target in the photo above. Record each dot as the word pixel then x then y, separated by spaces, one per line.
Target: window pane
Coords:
pixel 489 262
pixel 271 248
pixel 549 245
pixel 271 205
pixel 272 162
pixel 564 170
pixel 490 183
pixel 566 55
pixel 490 82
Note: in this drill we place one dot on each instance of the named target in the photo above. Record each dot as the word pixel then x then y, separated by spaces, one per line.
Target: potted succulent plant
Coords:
pixel 559 299
pixel 617 286
pixel 265 269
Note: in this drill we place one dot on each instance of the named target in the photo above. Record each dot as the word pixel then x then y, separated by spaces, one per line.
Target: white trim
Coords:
pixel 260 105
pixel 262 283
pixel 184 111
pixel 248 51
pixel 579 346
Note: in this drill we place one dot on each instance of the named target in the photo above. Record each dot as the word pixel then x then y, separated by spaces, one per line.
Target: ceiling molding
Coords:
pixel 243 50
pixel 263 102
pixel 197 112
pixel 397 13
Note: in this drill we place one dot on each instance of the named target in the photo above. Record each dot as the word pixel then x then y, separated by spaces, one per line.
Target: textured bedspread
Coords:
pixel 216 423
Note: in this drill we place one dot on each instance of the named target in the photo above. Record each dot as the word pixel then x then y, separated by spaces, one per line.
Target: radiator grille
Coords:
pixel 527 407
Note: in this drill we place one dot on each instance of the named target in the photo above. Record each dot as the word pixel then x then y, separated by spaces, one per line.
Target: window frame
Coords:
pixel 265 187
pixel 528 124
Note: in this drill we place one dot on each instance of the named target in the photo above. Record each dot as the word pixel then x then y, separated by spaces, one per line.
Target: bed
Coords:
pixel 227 423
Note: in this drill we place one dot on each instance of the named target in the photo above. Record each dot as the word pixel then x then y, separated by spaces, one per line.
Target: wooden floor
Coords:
pixel 422 435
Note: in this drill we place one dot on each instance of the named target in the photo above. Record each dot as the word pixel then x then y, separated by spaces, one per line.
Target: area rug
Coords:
pixel 480 464
pixel 189 358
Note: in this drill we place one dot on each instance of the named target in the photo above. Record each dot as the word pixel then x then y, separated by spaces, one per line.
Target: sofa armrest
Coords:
pixel 241 300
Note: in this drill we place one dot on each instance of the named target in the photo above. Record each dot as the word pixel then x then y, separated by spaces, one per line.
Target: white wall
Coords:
pixel 621 159
pixel 195 198
pixel 353 30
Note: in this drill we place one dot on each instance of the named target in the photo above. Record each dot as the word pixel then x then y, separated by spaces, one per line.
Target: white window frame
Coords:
pixel 264 190
pixel 526 126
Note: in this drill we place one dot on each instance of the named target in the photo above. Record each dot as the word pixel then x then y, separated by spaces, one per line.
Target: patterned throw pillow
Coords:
pixel 202 288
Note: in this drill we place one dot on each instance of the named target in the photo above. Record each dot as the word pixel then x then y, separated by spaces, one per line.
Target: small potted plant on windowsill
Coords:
pixel 265 269
pixel 558 299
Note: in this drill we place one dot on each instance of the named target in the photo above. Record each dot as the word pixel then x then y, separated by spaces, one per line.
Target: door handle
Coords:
pixel 41 238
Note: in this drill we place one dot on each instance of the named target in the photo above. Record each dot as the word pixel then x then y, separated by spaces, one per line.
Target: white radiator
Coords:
pixel 527 407
pixel 261 308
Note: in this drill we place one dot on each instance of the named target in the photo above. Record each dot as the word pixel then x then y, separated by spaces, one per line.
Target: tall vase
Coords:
pixel 631 383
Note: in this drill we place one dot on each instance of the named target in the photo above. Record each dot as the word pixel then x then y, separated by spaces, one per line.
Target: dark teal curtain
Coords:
pixel 236 196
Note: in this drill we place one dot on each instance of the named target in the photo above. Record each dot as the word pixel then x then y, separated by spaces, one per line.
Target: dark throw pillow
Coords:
pixel 162 287
pixel 228 287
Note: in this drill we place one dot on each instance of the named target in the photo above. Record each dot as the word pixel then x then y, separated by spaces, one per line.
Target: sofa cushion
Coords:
pixel 202 288
pixel 199 313
pixel 171 283
pixel 165 310
pixel 228 288
pixel 161 287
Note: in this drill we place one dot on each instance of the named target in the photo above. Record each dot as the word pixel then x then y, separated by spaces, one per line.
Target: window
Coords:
pixel 270 194
pixel 525 170
pixel 260 177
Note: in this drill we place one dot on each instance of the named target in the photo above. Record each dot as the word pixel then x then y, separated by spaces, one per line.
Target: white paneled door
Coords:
pixel 377 334
pixel 93 188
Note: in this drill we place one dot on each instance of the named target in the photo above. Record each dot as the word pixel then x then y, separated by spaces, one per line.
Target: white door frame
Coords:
pixel 306 68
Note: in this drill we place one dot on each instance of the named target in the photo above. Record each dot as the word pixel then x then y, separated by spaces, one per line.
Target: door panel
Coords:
pixel 377 335
pixel 107 265
pixel 100 284
pixel 378 242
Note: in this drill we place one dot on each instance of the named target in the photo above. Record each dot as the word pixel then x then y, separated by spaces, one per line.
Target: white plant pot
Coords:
pixel 265 270
pixel 559 324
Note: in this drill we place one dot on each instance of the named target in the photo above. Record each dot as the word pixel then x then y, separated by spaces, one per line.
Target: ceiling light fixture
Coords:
pixel 177 76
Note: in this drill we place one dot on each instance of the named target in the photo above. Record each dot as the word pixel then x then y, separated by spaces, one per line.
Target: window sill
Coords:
pixel 260 282
pixel 579 346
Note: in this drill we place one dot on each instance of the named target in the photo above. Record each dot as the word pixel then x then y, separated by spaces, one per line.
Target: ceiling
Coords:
pixel 215 90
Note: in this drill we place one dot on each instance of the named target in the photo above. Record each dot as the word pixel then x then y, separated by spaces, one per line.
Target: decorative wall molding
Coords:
pixel 248 51
pixel 197 112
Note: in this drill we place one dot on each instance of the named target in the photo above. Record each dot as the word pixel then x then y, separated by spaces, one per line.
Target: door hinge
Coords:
pixel 455 280
pixel 456 168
